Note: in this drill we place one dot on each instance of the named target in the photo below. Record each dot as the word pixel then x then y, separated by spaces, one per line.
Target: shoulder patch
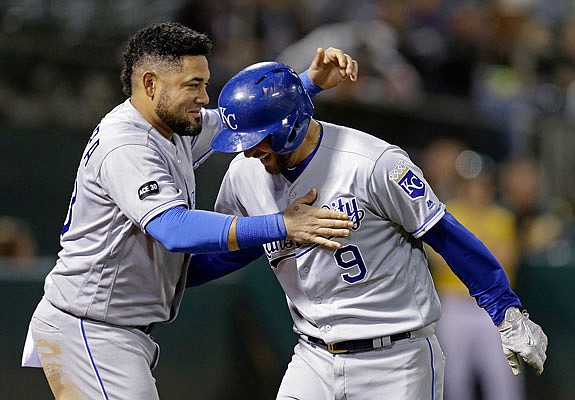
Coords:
pixel 408 181
pixel 148 189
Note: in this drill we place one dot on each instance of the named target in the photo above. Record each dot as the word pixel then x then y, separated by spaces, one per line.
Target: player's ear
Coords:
pixel 149 79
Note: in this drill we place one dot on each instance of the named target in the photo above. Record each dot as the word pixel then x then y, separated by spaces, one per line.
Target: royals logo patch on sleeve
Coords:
pixel 148 189
pixel 408 181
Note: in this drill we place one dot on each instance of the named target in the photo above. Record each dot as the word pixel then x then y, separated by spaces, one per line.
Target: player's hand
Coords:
pixel 521 337
pixel 331 67
pixel 307 224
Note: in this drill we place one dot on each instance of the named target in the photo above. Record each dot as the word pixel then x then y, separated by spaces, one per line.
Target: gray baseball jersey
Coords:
pixel 109 269
pixel 378 282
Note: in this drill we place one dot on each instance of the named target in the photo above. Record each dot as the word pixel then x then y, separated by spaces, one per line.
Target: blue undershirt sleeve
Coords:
pixel 207 267
pixel 191 231
pixel 474 265
pixel 311 88
pixel 197 231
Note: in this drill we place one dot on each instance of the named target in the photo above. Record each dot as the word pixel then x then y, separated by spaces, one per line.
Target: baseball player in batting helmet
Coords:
pixel 365 313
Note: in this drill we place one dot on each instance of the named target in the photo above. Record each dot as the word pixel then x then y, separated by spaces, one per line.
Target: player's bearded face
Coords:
pixel 278 164
pixel 182 94
pixel 175 116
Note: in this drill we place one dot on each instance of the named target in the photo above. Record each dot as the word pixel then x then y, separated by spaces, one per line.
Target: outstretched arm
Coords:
pixel 480 271
pixel 474 265
pixel 197 231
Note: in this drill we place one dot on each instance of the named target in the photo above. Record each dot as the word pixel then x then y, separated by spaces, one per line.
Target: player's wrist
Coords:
pixel 255 231
pixel 512 314
pixel 311 88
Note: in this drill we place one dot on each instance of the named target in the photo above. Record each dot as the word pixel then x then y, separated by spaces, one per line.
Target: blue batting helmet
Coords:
pixel 263 99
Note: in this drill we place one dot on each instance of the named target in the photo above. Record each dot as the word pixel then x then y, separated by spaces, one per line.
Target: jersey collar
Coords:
pixel 291 174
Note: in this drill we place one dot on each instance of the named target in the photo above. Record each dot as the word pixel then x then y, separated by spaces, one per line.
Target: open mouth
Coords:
pixel 265 158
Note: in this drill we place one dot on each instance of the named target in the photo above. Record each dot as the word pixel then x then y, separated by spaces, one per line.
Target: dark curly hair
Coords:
pixel 161 42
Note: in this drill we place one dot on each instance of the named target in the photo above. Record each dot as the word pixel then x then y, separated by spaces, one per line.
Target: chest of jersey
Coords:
pixel 380 273
pixel 180 165
pixel 312 272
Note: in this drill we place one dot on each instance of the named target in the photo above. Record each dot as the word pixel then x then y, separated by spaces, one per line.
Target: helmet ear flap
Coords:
pixel 294 131
pixel 292 135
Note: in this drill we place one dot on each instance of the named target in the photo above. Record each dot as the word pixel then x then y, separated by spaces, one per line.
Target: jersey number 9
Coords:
pixel 349 258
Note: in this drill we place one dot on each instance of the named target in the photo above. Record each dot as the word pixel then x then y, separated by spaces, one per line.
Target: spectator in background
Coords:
pixel 566 53
pixel 260 28
pixel 466 334
pixel 438 163
pixel 17 242
pixel 386 76
pixel 541 221
pixel 506 75
pixel 559 68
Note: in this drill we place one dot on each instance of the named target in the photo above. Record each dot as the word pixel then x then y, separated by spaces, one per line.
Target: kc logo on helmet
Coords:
pixel 229 119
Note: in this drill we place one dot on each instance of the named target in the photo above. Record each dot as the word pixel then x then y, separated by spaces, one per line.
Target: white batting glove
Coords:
pixel 522 337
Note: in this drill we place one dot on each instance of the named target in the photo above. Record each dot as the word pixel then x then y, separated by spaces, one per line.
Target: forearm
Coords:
pixel 207 267
pixel 474 265
pixel 197 231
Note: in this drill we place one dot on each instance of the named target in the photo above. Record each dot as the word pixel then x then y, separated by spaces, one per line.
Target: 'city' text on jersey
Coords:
pixel 350 207
pixel 286 248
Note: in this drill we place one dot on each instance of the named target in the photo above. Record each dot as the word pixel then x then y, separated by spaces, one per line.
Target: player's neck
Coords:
pixel 146 110
pixel 309 143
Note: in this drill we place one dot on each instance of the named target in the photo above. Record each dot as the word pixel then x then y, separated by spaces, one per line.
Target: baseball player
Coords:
pixel 365 312
pixel 131 222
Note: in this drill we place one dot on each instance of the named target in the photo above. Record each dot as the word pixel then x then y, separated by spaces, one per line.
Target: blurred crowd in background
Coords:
pixel 507 65
pixel 503 67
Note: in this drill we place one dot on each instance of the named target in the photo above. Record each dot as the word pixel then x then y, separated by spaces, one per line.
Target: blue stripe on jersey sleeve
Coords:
pixel 202 158
pixel 167 205
pixel 474 265
pixel 429 222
